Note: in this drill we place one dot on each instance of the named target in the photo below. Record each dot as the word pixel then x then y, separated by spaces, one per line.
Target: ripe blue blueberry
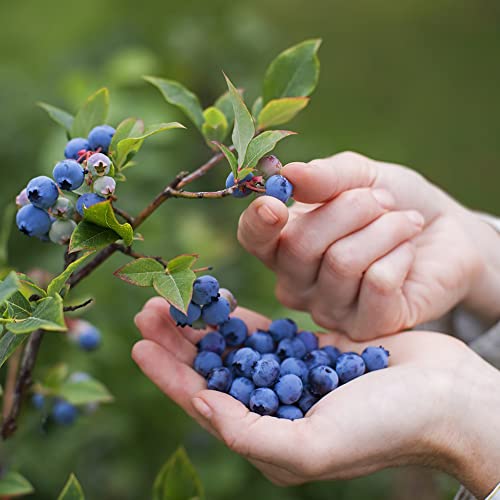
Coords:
pixel 349 366
pixel 87 200
pixel 33 221
pixel 193 314
pixel 264 401
pixel 260 341
pixel 333 353
pixel 316 358
pixel 228 295
pixel 68 174
pixel 212 341
pixel 241 191
pixel 291 348
pixel 228 360
pixel 307 401
pixel 89 339
pixel 289 412
pixel 64 413
pixel 241 389
pixel 235 331
pixel 279 187
pixel 323 380
pixel 289 388
pixel 38 400
pixel 271 355
pixel 105 186
pixel 219 379
pixel 310 340
pixel 206 361
pixel 61 231
pixel 269 166
pixel 244 361
pixel 266 372
pixel 205 289
pixel 284 328
pixel 98 165
pixel 74 146
pixel 296 367
pixel 42 191
pixel 375 358
pixel 216 312
pixel 100 137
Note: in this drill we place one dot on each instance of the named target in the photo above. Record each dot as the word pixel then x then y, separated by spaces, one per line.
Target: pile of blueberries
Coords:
pixel 281 371
pixel 85 178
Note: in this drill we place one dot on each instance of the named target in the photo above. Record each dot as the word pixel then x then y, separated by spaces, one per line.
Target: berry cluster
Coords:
pixel 269 181
pixel 85 177
pixel 281 371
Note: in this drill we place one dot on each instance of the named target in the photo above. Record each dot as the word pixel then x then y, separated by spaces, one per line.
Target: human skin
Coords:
pixel 371 248
pixel 437 404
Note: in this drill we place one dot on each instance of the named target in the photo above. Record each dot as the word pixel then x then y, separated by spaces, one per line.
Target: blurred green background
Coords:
pixel 414 82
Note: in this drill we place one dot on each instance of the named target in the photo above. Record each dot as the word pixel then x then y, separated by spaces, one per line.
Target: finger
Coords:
pixel 260 226
pixel 322 180
pixel 346 260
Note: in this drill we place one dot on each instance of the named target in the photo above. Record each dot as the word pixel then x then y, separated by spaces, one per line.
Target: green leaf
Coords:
pixel 88 236
pixel 264 143
pixel 140 272
pixel 257 107
pixel 7 219
pixel 60 116
pixel 244 128
pixel 56 285
pixel 18 306
pixel 29 287
pixel 279 111
pixel 181 262
pixel 9 343
pixel 93 112
pixel 181 97
pixel 176 287
pixel 47 315
pixel 84 392
pixel 72 490
pixel 12 484
pixel 294 73
pixel 131 145
pixel 178 479
pixel 225 104
pixel 215 127
pixel 242 173
pixel 129 127
pixel 9 286
pixel 233 162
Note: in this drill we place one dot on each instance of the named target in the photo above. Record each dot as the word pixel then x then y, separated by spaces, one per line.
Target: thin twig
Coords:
pixel 10 381
pixel 78 306
pixel 124 215
pixel 136 255
pixel 174 193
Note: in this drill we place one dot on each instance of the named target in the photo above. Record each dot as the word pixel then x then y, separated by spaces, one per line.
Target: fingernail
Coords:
pixel 202 408
pixel 267 215
pixel 416 217
pixel 384 198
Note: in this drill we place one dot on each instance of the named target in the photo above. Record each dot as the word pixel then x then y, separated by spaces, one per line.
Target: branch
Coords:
pixel 78 306
pixel 124 215
pixel 10 381
pixel 201 194
pixel 136 255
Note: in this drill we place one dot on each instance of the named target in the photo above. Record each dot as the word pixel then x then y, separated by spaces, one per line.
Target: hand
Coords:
pixel 371 248
pixel 437 404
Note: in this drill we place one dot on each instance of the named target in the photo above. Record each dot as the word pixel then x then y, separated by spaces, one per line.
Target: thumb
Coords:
pixel 322 180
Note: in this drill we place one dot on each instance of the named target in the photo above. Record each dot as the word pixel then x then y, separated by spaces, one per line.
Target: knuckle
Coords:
pixel 341 261
pixel 381 280
pixel 294 246
pixel 288 297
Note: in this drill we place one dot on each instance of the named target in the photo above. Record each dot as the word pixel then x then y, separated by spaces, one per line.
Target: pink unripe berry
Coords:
pixel 269 166
pixel 105 186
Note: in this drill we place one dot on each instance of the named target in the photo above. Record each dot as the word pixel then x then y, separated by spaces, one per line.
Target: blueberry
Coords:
pixel 228 360
pixel 289 388
pixel 375 358
pixel 206 361
pixel 205 289
pixel 87 200
pixel 316 358
pixel 240 191
pixel 284 328
pixel 38 400
pixel 64 413
pixel 105 186
pixel 63 208
pixel 219 379
pixel 42 191
pixel 307 401
pixel 235 331
pixel 216 312
pixel 244 361
pixel 241 389
pixel 193 314
pixel 22 199
pixel 269 166
pixel 333 353
pixel 266 372
pixel 77 377
pixel 68 174
pixel 323 380
pixel 228 295
pixel 289 412
pixel 349 366
pixel 98 165
pixel 264 401
pixel 89 339
pixel 33 221
pixel 74 146
pixel 291 348
pixel 279 187
pixel 61 231
pixel 296 367
pixel 310 340
pixel 100 137
pixel 271 355
pixel 212 341
pixel 260 341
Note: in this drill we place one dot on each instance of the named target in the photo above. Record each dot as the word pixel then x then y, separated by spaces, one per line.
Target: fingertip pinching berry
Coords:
pixel 105 186
pixel 87 200
pixel 75 146
pixel 33 221
pixel 279 187
pixel 269 166
pixel 61 231
pixel 216 312
pixel 98 165
pixel 375 358
pixel 69 175
pixel 264 401
pixel 42 191
pixel 100 137
pixel 193 314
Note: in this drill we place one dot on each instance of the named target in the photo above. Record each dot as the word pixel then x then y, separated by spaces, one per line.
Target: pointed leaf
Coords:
pixel 244 128
pixel 181 262
pixel 5 228
pixel 84 392
pixel 72 490
pixel 140 272
pixel 215 127
pixel 181 97
pixel 18 306
pixel 233 162
pixel 9 343
pixel 279 111
pixel 294 73
pixel 243 172
pixel 93 112
pixel 56 285
pixel 88 236
pixel 47 315
pixel 129 127
pixel 29 287
pixel 264 143
pixel 9 286
pixel 176 287
pixel 257 107
pixel 226 106
pixel 12 484
pixel 60 116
